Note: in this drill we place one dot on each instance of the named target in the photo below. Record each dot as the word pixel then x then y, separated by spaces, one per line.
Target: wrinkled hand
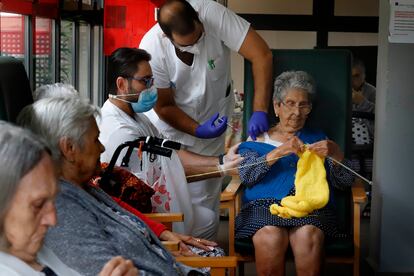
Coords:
pixel 184 240
pixel 232 161
pixel 293 145
pixel 258 124
pixel 118 266
pixel 210 129
pixel 327 148
pixel 357 97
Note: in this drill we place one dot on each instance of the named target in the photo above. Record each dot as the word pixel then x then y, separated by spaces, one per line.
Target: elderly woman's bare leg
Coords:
pixel 307 246
pixel 270 245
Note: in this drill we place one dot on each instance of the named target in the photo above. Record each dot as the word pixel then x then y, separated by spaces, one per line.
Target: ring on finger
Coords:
pixel 197 240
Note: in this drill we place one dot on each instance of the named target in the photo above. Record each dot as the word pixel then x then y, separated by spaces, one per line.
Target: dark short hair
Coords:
pixel 123 62
pixel 356 62
pixel 182 22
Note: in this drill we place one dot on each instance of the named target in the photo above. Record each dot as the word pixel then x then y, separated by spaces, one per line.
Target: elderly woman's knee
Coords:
pixel 270 235
pixel 309 236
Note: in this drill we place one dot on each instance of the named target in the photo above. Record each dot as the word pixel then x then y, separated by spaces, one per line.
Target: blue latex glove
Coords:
pixel 258 124
pixel 209 129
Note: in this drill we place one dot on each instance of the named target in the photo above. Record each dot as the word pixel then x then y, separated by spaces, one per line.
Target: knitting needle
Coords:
pixel 257 163
pixel 349 169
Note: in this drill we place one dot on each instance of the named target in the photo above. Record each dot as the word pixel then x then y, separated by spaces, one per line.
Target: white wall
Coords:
pixel 298 39
pixel 392 225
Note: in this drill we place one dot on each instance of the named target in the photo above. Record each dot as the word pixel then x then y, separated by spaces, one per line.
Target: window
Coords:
pixel 12 36
pixel 43 52
pixel 66 52
pixel 84 69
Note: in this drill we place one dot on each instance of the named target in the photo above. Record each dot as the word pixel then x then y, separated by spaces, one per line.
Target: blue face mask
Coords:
pixel 146 100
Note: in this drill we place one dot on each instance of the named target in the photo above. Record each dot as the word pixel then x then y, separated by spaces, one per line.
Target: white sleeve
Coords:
pixel 152 43
pixel 225 24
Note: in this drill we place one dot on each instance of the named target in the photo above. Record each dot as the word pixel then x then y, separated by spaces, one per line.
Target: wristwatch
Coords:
pixel 221 159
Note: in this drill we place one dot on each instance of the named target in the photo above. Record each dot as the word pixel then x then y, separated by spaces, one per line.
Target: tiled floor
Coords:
pixel 330 269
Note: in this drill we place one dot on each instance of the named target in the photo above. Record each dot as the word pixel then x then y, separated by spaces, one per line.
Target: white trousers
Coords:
pixel 205 196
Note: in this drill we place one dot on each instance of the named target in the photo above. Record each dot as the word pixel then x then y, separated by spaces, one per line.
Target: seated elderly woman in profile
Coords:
pixel 272 179
pixel 27 193
pixel 92 226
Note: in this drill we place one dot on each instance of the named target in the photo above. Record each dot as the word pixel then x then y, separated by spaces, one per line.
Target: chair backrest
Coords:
pixel 15 92
pixel 331 111
pixel 331 70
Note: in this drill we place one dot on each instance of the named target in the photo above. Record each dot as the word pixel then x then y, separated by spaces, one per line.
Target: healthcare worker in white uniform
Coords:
pixel 190 48
pixel 129 81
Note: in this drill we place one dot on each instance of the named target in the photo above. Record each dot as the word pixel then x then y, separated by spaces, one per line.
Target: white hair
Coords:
pixel 56 118
pixel 20 151
pixel 293 79
pixel 54 90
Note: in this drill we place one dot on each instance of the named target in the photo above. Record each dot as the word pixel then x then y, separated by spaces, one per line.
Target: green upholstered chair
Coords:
pixel 15 92
pixel 331 113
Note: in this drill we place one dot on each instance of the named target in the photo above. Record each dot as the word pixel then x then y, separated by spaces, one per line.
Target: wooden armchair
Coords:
pixel 331 113
pixel 345 251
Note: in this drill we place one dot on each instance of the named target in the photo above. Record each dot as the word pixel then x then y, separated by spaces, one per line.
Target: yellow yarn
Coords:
pixel 312 190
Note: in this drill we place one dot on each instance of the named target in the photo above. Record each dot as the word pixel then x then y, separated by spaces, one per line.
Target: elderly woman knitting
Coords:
pixel 28 190
pixel 93 227
pixel 271 215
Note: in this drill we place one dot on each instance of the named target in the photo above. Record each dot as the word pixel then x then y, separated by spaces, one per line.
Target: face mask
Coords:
pixel 146 100
pixel 193 49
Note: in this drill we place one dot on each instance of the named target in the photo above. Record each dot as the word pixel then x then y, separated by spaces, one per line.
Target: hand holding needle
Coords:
pixel 232 127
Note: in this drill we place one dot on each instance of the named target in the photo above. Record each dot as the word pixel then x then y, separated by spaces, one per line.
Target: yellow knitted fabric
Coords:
pixel 312 191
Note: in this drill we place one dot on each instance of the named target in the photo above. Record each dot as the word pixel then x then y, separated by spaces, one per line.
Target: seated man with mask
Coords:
pixel 129 80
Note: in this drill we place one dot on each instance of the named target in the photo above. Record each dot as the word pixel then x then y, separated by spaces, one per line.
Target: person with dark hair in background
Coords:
pixel 363 100
pixel 363 95
pixel 190 48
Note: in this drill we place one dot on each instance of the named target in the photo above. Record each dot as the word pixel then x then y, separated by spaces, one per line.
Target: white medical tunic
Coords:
pixel 200 89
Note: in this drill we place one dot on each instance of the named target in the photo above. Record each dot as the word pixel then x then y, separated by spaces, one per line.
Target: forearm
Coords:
pixel 194 164
pixel 255 49
pixel 340 177
pixel 262 75
pixel 177 118
pixel 252 168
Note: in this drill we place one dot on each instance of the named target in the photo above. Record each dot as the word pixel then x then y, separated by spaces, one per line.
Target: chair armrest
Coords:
pixel 171 245
pixel 358 192
pixel 230 192
pixel 166 217
pixel 213 262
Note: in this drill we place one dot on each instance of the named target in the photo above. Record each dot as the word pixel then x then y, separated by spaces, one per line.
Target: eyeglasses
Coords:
pixel 304 108
pixel 148 81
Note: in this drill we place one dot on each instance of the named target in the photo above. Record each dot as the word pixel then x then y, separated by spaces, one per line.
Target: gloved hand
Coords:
pixel 209 129
pixel 231 162
pixel 257 124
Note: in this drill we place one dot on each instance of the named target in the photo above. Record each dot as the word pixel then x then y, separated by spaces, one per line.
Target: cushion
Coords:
pixel 132 190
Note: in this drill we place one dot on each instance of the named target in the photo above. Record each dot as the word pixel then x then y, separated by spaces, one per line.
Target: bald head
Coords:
pixel 178 17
